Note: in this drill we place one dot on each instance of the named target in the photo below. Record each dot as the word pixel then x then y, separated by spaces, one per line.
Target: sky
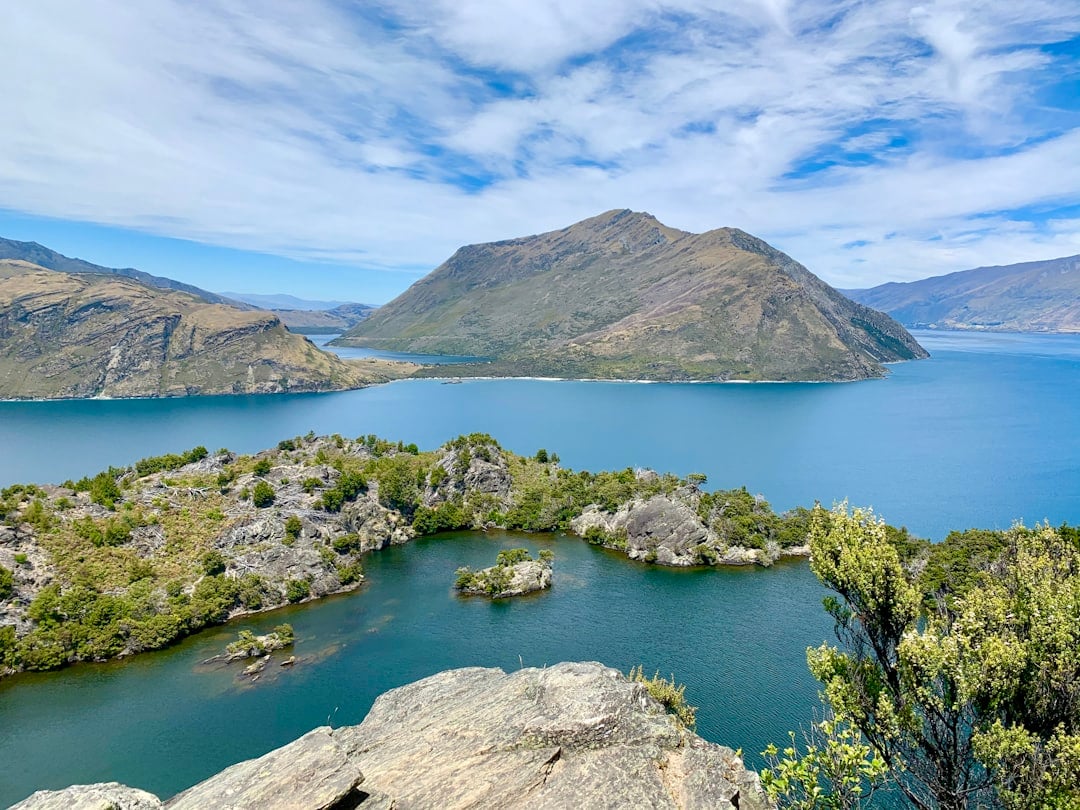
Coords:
pixel 343 149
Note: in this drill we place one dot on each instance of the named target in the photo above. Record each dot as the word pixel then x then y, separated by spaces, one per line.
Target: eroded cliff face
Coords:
pixel 69 336
pixel 575 735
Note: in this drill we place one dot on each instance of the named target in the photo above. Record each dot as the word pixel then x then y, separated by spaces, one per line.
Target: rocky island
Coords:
pixel 623 296
pixel 72 335
pixel 515 573
pixel 134 558
pixel 574 735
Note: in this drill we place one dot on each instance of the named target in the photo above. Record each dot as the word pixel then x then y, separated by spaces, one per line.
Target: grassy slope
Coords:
pixel 622 295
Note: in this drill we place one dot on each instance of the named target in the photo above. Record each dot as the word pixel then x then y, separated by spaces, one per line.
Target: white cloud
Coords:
pixel 325 131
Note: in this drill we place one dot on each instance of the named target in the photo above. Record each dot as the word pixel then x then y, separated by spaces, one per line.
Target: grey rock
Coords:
pixel 312 773
pixel 575 735
pixel 525 577
pixel 102 796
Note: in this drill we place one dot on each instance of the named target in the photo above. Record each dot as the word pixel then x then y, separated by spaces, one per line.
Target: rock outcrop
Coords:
pixel 504 581
pixel 575 735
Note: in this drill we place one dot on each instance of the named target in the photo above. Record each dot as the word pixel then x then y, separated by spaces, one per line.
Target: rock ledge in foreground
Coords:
pixel 575 735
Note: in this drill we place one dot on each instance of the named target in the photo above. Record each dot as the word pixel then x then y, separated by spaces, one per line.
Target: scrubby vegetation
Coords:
pixel 672 696
pixel 249 645
pixel 496 580
pixel 957 678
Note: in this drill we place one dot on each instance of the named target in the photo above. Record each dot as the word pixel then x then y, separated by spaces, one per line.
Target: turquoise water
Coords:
pixel 982 434
pixel 163 722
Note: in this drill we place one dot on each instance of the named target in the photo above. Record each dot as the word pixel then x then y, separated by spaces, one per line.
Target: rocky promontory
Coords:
pixel 575 735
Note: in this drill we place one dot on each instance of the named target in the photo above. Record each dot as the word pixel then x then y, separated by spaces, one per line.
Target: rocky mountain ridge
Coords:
pixel 622 295
pixel 574 735
pixel 65 335
pixel 1042 296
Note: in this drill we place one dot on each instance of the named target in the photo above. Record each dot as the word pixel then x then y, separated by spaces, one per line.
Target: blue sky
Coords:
pixel 342 149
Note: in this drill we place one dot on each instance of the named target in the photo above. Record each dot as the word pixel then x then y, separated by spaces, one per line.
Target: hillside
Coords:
pixel 42 256
pixel 66 335
pixel 621 295
pixel 1029 297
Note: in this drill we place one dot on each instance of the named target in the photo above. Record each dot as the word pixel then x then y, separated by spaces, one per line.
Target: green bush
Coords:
pixel 296 590
pixel 7 583
pixel 671 696
pixel 170 461
pixel 262 495
pixel 512 556
pixel 213 563
pixel 293 527
pixel 351 573
pixel 262 467
pixel 346 488
pixel 345 543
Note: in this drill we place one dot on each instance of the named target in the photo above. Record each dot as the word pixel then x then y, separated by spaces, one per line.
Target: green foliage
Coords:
pixel 102 487
pixel 541 456
pixel 348 574
pixel 21 559
pixel 397 477
pixel 834 769
pixel 670 695
pixel 296 590
pixel 310 484
pixel 346 543
pixel 293 526
pixel 262 495
pixel 346 488
pixel 437 475
pixel 970 693
pixel 445 517
pixel 9 647
pixel 213 563
pixel 547 555
pixel 262 467
pixel 170 461
pixel 286 445
pixel 7 583
pixel 512 556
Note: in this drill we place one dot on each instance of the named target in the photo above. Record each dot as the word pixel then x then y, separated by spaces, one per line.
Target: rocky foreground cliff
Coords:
pixel 134 558
pixel 68 335
pixel 621 295
pixel 575 735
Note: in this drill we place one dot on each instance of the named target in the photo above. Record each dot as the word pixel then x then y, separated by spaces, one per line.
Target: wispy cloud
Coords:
pixel 871 139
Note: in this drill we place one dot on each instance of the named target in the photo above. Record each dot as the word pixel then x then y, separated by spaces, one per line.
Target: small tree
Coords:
pixel 262 495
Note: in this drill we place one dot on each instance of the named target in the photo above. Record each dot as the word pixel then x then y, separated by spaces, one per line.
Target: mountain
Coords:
pixel 326 321
pixel 42 256
pixel 1029 297
pixel 621 295
pixel 66 335
pixel 282 301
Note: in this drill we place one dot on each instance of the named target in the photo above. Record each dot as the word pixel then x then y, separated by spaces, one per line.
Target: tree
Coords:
pixel 970 696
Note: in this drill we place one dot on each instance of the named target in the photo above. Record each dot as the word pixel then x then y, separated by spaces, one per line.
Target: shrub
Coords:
pixel 262 495
pixel 262 467
pixel 293 527
pixel 542 456
pixel 7 583
pixel 22 559
pixel 213 563
pixel 347 487
pixel 346 543
pixel 512 556
pixel 296 590
pixel 286 444
pixel 351 573
pixel 309 485
pixel 671 696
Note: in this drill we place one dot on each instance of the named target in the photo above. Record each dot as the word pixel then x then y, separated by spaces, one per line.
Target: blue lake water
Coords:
pixel 984 433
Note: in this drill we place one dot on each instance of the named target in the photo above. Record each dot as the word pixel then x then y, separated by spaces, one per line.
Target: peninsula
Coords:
pixel 74 335
pixel 623 296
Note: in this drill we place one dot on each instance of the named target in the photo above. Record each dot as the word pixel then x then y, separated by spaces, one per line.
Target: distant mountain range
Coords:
pixel 622 295
pixel 283 301
pixel 42 256
pixel 1029 297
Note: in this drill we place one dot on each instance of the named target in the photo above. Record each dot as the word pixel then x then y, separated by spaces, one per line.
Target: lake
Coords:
pixel 982 434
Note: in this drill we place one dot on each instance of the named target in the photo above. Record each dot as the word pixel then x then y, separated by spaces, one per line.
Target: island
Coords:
pixel 515 573
pixel 623 296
